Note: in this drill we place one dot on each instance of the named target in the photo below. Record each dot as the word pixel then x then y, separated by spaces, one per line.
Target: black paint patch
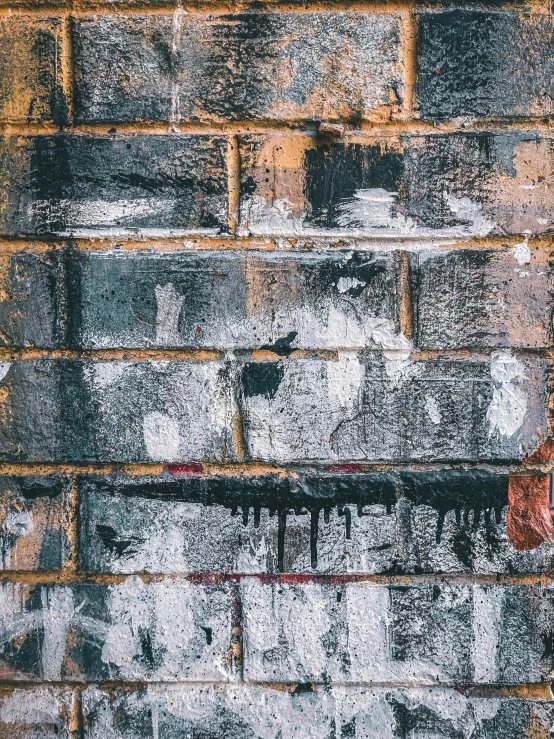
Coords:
pixel 282 347
pixel 334 172
pixel 262 378
pixel 111 540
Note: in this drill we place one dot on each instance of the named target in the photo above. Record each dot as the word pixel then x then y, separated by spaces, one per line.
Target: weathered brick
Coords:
pixel 34 514
pixel 62 410
pixel 31 88
pixel 361 632
pixel 167 630
pixel 232 300
pixel 413 187
pixel 444 521
pixel 36 713
pixel 484 299
pixel 80 184
pixel 483 63
pixel 33 308
pixel 394 408
pixel 348 712
pixel 278 66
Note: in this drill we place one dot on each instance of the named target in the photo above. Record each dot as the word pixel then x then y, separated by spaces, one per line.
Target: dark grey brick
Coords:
pixel 363 632
pixel 232 300
pixel 33 309
pixel 348 712
pixel 484 299
pixel 444 522
pixel 165 630
pixel 31 72
pixel 438 187
pixel 272 65
pixel 80 184
pixel 394 409
pixel 35 514
pixel 483 63
pixel 61 410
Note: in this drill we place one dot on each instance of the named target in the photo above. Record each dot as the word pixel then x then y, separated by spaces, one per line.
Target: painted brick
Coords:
pixel 484 299
pixel 444 187
pixel 32 300
pixel 226 299
pixel 167 630
pixel 361 632
pixel 31 88
pixel 279 66
pixel 36 713
pixel 394 409
pixel 35 515
pixel 264 524
pixel 77 184
pixel 482 63
pixel 349 713
pixel 61 410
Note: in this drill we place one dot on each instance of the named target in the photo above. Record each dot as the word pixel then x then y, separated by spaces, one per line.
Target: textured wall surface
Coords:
pixel 275 369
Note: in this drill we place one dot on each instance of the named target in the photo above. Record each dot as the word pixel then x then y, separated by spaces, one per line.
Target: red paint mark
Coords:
pixel 192 468
pixel 529 519
pixel 545 453
pixel 348 468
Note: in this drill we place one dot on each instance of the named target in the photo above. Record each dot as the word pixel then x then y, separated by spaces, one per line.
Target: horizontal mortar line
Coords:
pixel 73 577
pixel 242 469
pixel 296 244
pixel 147 354
pixel 306 127
pixel 492 691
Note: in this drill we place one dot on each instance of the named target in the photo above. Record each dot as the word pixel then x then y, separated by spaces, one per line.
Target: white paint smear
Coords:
pixel 19 523
pixel 95 213
pixel 347 283
pixel 433 410
pixel 169 305
pixel 161 437
pixel 344 379
pixel 508 406
pixel 38 706
pixel 522 252
pixel 4 368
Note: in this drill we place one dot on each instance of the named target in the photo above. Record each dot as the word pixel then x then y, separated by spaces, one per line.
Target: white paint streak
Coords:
pixel 344 379
pixel 57 613
pixel 4 368
pixel 161 437
pixel 508 406
pixel 96 213
pixel 169 305
pixel 487 607
pixel 433 410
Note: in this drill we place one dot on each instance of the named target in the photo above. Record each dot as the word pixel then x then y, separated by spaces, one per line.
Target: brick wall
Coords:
pixel 275 348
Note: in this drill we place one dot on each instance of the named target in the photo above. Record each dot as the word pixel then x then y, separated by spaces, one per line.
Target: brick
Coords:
pixel 73 184
pixel 444 522
pixel 31 88
pixel 34 514
pixel 32 300
pixel 61 410
pixel 483 63
pixel 254 711
pixel 166 630
pixel 278 66
pixel 394 408
pixel 485 299
pixel 362 632
pixel 232 300
pixel 436 187
pixel 36 713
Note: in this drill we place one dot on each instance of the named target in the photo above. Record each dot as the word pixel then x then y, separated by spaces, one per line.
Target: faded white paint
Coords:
pixel 508 406
pixel 487 609
pixel 161 437
pixel 41 705
pixel 522 252
pixel 4 368
pixel 344 380
pixel 169 305
pixel 347 283
pixel 57 613
pixel 433 410
pixel 103 374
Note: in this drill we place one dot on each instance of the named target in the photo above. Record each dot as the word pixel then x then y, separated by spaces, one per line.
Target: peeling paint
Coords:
pixel 508 406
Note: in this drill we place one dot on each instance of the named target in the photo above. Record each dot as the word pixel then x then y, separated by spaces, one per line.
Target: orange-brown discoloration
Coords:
pixel 529 520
